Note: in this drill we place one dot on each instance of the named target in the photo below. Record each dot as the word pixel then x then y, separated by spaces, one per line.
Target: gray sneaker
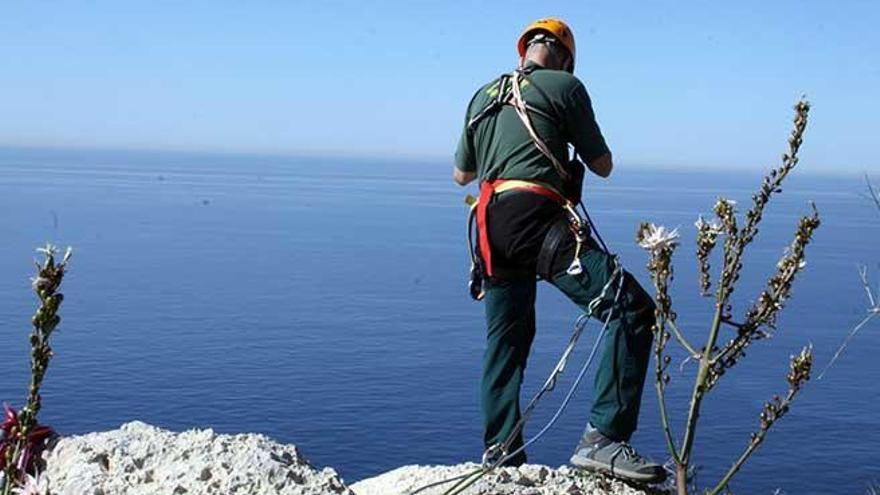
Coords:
pixel 596 452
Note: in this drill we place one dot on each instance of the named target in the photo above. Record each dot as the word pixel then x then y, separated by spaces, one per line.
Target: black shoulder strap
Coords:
pixel 493 107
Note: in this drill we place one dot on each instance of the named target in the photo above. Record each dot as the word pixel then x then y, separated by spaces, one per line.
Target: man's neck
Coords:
pixel 539 61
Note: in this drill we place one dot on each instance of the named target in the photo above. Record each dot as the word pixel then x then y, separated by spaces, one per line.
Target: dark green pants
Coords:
pixel 623 359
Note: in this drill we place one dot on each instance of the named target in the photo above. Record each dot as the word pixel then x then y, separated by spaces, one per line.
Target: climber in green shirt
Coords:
pixel 517 148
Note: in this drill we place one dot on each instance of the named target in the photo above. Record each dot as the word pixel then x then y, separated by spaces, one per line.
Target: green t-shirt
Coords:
pixel 500 145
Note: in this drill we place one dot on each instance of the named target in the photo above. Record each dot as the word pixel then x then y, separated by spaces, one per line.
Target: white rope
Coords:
pixel 582 320
pixel 519 104
pixel 549 385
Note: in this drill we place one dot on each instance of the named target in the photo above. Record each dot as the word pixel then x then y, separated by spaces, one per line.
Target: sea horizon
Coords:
pixel 408 159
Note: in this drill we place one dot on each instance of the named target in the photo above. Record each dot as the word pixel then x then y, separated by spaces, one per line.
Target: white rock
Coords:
pixel 139 459
pixel 529 479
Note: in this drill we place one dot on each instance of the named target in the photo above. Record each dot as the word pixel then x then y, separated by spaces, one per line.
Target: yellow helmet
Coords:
pixel 553 25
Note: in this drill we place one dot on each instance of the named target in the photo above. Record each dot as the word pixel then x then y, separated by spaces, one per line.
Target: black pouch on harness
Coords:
pixel 557 237
pixel 477 279
pixel 573 187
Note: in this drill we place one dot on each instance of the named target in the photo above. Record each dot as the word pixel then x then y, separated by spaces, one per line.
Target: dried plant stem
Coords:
pixel 662 244
pixel 660 385
pixel 772 184
pixel 873 302
pixel 664 420
pixel 679 336
pixel 863 275
pixel 697 398
pixel 734 247
pixel 845 343
pixel 759 321
pixel 874 196
pixel 800 368
pixel 765 310
pixel 753 445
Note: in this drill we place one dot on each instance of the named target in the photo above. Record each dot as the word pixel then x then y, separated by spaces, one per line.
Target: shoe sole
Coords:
pixel 595 466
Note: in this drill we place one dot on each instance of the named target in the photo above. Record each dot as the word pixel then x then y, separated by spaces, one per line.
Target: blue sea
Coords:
pixel 323 302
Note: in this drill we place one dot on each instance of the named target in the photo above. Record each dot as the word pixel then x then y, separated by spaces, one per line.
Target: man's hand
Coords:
pixel 601 166
pixel 462 178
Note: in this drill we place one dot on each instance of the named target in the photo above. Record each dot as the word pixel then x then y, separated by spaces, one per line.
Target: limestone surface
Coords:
pixel 529 479
pixel 139 459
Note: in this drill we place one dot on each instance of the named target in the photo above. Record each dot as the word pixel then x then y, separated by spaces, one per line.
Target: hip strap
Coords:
pixel 489 189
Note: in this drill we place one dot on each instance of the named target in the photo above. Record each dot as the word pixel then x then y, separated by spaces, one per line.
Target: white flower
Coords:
pixel 67 254
pixel 655 237
pixel 33 485
pixel 48 250
pixel 713 227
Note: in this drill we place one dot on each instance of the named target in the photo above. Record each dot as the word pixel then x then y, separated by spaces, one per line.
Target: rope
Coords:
pixel 467 479
pixel 519 104
pixel 595 229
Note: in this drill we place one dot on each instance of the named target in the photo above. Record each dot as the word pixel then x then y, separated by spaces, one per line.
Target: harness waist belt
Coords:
pixel 487 190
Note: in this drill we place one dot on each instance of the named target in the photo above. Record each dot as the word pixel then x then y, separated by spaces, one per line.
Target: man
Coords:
pixel 517 133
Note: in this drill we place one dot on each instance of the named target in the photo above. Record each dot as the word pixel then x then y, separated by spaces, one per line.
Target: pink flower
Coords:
pixel 10 434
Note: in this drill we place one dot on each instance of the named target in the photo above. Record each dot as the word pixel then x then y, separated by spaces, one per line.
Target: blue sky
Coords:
pixel 701 84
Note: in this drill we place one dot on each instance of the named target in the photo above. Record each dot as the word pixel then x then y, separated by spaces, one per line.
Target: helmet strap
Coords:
pixel 554 48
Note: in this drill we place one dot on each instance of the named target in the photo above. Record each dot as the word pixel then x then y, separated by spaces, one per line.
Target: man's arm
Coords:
pixel 461 177
pixel 585 133
pixel 465 169
pixel 601 166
